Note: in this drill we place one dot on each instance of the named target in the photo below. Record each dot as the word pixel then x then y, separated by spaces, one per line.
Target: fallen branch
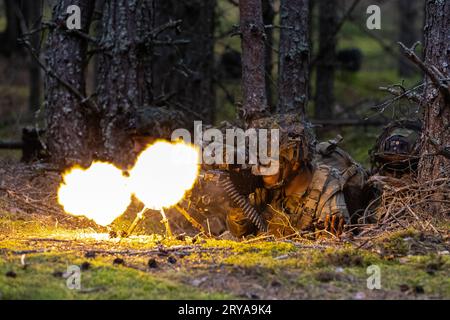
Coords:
pixel 11 145
pixel 188 217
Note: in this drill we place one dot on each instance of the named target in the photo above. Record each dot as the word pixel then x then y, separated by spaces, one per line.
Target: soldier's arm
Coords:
pixel 334 214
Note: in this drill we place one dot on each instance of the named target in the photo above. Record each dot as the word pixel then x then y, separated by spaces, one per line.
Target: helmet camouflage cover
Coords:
pixel 296 137
pixel 397 148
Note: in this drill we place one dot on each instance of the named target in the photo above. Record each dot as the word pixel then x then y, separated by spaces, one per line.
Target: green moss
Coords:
pixel 101 281
pixel 328 271
pixel 397 243
pixel 413 274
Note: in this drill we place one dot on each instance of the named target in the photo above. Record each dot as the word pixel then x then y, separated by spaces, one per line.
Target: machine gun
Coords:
pixel 236 182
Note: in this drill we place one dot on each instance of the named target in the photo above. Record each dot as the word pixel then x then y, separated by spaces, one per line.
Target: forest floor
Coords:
pixel 38 243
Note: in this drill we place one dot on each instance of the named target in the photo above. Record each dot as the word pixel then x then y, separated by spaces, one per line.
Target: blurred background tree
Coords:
pixel 201 57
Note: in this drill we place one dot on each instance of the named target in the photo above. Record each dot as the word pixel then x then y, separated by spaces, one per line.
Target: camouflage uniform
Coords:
pixel 353 175
pixel 307 196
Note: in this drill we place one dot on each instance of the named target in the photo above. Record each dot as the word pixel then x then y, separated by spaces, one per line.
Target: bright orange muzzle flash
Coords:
pixel 163 173
pixel 160 178
pixel 100 192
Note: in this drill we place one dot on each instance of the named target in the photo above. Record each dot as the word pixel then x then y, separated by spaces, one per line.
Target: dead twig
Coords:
pixel 74 32
pixel 407 206
pixel 192 221
pixel 158 30
pixel 399 91
pixel 85 101
pixel 432 72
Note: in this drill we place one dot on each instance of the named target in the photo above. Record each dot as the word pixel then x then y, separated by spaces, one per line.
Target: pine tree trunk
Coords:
pixel 268 19
pixel 185 72
pixel 34 19
pixel 294 57
pixel 408 33
pixel 253 59
pixel 69 134
pixel 97 33
pixel 437 108
pixel 326 61
pixel 124 73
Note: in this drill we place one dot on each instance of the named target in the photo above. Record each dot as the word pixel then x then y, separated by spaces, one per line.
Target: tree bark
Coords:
pixel 268 20
pixel 97 33
pixel 253 59
pixel 408 33
pixel 185 72
pixel 34 21
pixel 294 57
pixel 436 119
pixel 69 134
pixel 311 21
pixel 326 60
pixel 124 73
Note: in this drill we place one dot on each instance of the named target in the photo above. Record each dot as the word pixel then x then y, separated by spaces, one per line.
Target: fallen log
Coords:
pixel 11 145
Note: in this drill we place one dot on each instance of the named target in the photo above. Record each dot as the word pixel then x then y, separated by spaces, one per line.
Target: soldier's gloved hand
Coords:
pixel 332 224
pixel 238 224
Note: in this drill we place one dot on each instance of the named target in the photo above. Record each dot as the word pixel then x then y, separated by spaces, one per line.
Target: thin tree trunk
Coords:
pixel 326 61
pixel 69 134
pixel 185 72
pixel 34 17
pixel 97 33
pixel 311 21
pixel 268 20
pixel 253 59
pixel 408 33
pixel 124 73
pixel 9 37
pixel 437 109
pixel 294 57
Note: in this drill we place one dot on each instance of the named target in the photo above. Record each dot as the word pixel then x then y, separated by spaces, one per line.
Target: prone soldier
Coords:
pixel 303 196
pixel 394 160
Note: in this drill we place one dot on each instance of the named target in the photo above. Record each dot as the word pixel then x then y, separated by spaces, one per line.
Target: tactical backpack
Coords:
pixel 353 176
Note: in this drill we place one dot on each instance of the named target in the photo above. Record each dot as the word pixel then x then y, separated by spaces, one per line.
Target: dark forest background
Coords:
pixel 139 67
pixel 348 64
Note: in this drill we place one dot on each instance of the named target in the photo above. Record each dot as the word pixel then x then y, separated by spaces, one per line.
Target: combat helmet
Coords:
pixel 397 148
pixel 296 137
